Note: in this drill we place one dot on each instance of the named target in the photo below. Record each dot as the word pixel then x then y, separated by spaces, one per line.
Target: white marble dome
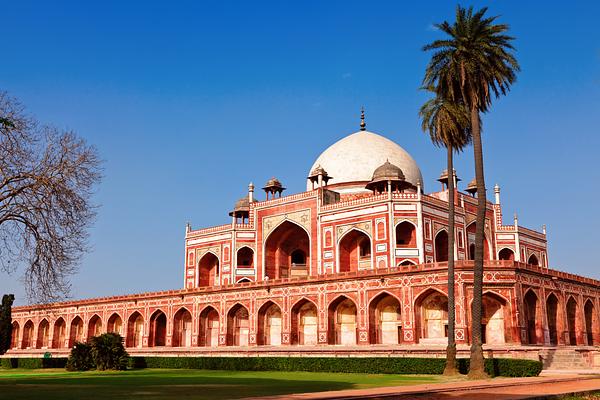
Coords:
pixel 353 159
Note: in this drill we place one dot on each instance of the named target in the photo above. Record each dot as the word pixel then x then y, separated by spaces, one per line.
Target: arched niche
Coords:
pixel 354 251
pixel 287 251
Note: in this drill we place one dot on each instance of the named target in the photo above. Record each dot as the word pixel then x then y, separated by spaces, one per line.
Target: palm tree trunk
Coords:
pixel 476 367
pixel 451 349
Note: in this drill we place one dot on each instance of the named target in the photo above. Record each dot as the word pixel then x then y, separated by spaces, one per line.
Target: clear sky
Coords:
pixel 190 101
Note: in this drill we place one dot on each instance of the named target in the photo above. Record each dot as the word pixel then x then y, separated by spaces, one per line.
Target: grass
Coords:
pixel 149 384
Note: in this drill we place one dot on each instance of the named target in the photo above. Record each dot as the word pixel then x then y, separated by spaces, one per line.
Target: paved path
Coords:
pixel 491 389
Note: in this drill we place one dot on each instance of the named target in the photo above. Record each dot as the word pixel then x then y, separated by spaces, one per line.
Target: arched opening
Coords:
pixel 532 318
pixel 27 335
pixel 432 317
pixel 43 335
pixel 471 238
pixel 441 246
pixel 135 330
pixel 14 338
pixel 76 332
pixel 552 317
pixel 158 329
pixel 304 323
pixel 406 263
pixel 342 322
pixel 59 336
pixel 94 327
pixel 244 280
pixel 406 235
pixel 209 328
pixel 506 254
pixel 238 326
pixel 287 251
pixel 385 324
pixel 182 328
pixel 354 251
pixel 590 323
pixel 245 257
pixel 492 319
pixel 208 270
pixel 269 324
pixel 533 260
pixel 572 321
pixel 115 324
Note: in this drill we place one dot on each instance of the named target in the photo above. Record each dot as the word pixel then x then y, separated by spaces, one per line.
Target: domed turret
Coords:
pixel 443 179
pixel 388 174
pixel 319 177
pixel 272 187
pixel 472 187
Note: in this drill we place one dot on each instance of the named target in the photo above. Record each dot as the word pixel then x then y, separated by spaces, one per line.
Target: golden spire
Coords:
pixel 363 125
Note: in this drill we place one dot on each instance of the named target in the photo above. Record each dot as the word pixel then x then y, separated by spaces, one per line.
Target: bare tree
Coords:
pixel 47 178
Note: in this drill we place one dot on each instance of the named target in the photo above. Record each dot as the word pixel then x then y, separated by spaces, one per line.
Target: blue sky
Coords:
pixel 187 102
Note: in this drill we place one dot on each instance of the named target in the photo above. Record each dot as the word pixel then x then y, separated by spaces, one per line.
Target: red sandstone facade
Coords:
pixel 337 268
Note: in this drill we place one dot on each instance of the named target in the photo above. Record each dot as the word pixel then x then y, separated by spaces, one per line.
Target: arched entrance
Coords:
pixel 135 330
pixel 441 246
pixel 471 240
pixel 158 329
pixel 492 321
pixel 304 323
pixel 572 321
pixel 342 322
pixel 385 323
pixel 27 335
pixel 432 318
pixel 59 336
pixel 354 251
pixel 209 327
pixel 182 328
pixel 406 235
pixel 506 254
pixel 238 326
pixel 94 327
pixel 245 257
pixel 76 332
pixel 533 260
pixel 287 251
pixel 552 317
pixel 532 318
pixel 14 339
pixel 115 324
pixel 208 270
pixel 43 335
pixel 590 322
pixel 269 324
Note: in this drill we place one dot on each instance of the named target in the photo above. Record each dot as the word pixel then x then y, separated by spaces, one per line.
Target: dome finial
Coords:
pixel 363 125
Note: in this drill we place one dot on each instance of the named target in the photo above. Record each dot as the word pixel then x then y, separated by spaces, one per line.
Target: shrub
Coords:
pixel 33 363
pixel 80 358
pixel 108 352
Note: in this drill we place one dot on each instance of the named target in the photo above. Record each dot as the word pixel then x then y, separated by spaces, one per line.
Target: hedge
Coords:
pixel 369 365
pixel 33 363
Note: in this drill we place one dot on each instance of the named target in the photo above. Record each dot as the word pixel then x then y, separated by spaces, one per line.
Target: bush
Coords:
pixel 369 365
pixel 80 358
pixel 33 363
pixel 108 352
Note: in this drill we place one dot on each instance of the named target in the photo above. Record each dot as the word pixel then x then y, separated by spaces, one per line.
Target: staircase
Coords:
pixel 563 359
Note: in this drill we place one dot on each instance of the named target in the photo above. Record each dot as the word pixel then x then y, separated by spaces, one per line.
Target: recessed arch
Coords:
pixel 572 320
pixel 506 254
pixel 493 318
pixel 76 331
pixel 354 251
pixel 406 234
pixel 43 335
pixel 269 324
pixel 244 280
pixel 304 321
pixel 385 321
pixel 533 317
pixel 158 329
pixel 552 316
pixel 440 245
pixel 27 340
pixel 59 333
pixel 533 260
pixel 238 325
pixel 245 257
pixel 14 339
pixel 487 247
pixel 182 328
pixel 208 269
pixel 431 319
pixel 135 330
pixel 591 322
pixel 285 239
pixel 342 318
pixel 115 324
pixel 94 326
pixel 208 335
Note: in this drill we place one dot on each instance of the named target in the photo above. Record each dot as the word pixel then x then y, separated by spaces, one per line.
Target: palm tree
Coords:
pixel 448 125
pixel 472 65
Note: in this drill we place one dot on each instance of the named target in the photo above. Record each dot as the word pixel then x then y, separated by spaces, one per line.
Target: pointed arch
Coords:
pixel 572 320
pixel 94 326
pixel 385 321
pixel 43 335
pixel 342 321
pixel 182 328
pixel 406 234
pixel 507 254
pixel 269 324
pixel 14 339
pixel 533 318
pixel 158 329
pixel 238 325
pixel 208 269
pixel 286 251
pixel 494 318
pixel 244 280
pixel 533 260
pixel 552 316
pixel 431 319
pixel 440 244
pixel 245 257
pixel 208 335
pixel 591 322
pixel 407 262
pixel 76 331
pixel 304 319
pixel 135 330
pixel 115 324
pixel 354 251
pixel 59 333
pixel 27 341
pixel 487 246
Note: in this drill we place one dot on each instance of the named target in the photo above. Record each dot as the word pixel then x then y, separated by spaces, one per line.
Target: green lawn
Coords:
pixel 16 384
